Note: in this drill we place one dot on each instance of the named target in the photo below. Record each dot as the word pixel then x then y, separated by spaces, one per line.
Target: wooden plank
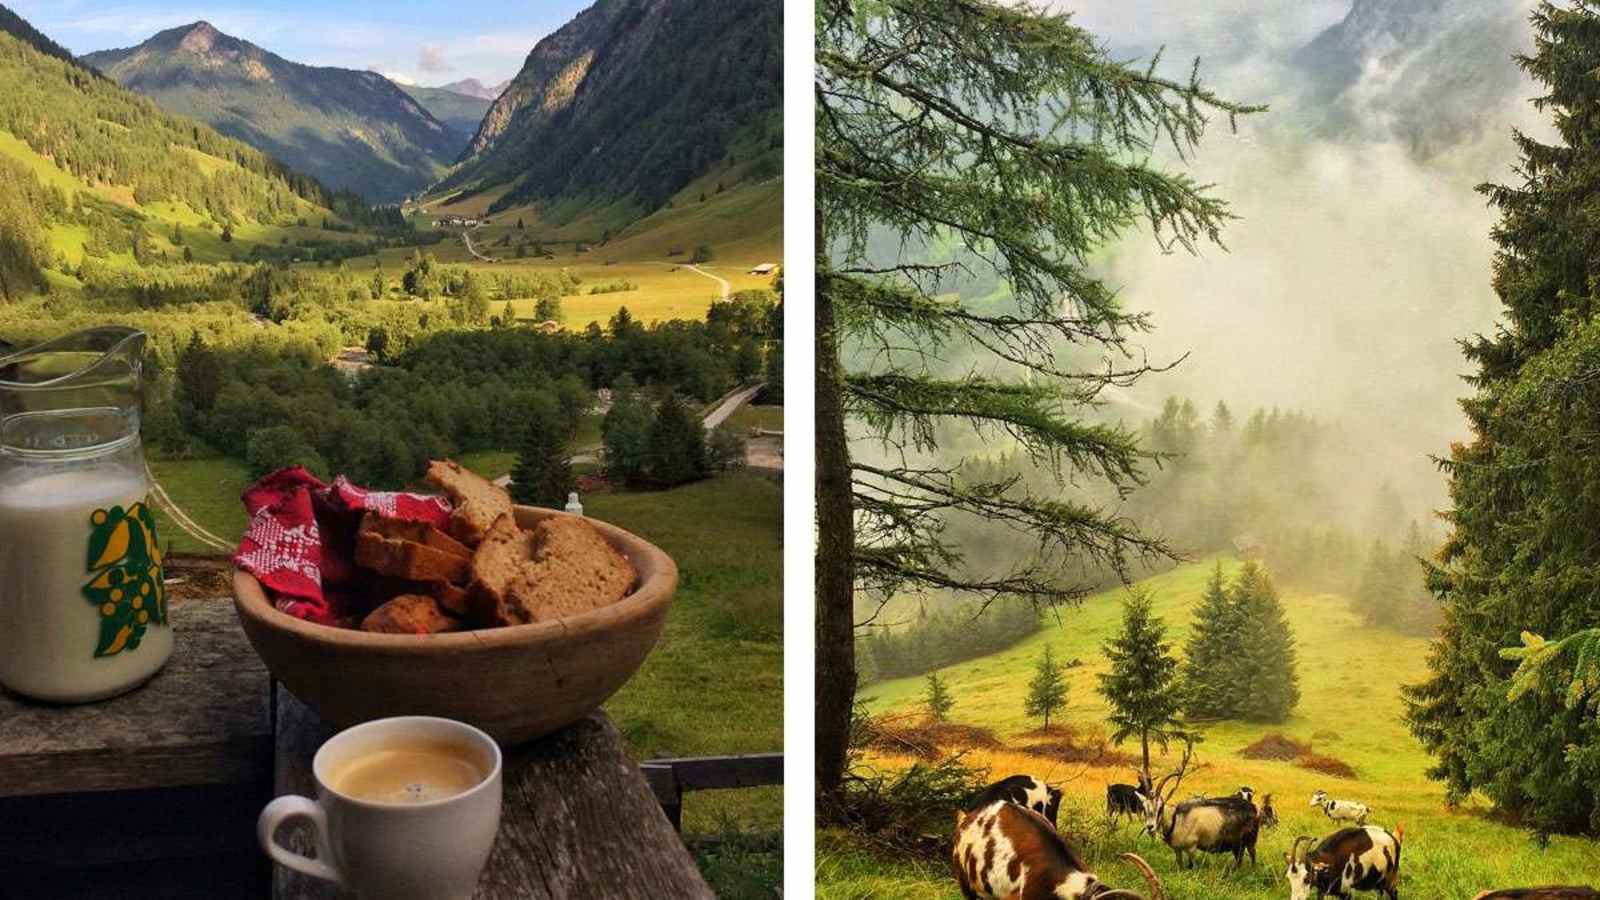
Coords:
pixel 700 773
pixel 204 719
pixel 579 819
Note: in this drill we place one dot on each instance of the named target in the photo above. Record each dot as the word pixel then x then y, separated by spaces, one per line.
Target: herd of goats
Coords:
pixel 1007 846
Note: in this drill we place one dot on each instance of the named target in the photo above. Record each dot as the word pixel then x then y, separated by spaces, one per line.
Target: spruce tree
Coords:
pixel 676 448
pixel 1142 686
pixel 936 698
pixel 543 474
pixel 1524 511
pixel 1270 661
pixel 625 434
pixel 1008 135
pixel 1047 690
pixel 1213 673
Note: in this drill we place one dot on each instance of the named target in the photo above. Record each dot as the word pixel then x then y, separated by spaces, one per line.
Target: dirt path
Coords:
pixel 726 287
pixel 190 526
pixel 466 238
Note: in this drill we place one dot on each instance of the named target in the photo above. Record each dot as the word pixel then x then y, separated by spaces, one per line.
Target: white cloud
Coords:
pixel 432 59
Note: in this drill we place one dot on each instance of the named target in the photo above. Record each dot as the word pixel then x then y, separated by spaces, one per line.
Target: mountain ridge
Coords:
pixel 351 129
pixel 628 103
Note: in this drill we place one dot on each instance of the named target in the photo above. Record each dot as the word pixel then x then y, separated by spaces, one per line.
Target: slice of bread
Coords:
pixel 452 598
pixel 478 501
pixel 410 614
pixel 417 532
pixel 563 567
pixel 409 559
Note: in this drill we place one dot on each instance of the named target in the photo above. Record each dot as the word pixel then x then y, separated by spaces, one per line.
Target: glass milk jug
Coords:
pixel 83 610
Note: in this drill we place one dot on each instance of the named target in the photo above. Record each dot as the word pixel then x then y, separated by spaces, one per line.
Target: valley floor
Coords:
pixel 1350 709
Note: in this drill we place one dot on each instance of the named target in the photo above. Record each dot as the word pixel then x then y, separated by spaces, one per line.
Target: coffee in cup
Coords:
pixel 406 809
pixel 409 772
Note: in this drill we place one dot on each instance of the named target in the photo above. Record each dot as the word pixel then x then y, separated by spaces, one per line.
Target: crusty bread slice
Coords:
pixel 478 501
pixel 409 559
pixel 563 567
pixel 496 565
pixel 417 532
pixel 452 598
pixel 410 614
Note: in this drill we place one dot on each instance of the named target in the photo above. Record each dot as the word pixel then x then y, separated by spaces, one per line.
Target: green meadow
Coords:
pixel 1350 709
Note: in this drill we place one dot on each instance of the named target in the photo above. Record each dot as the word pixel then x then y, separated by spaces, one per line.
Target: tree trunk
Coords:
pixel 836 659
pixel 1144 740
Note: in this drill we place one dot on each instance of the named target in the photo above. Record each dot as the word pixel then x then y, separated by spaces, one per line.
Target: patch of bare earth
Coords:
pixel 1066 743
pixel 922 738
pixel 1283 748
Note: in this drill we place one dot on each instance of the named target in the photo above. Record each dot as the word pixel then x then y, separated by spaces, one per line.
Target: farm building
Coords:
pixel 764 269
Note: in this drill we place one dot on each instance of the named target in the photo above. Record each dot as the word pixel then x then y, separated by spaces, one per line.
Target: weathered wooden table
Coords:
pixel 155 793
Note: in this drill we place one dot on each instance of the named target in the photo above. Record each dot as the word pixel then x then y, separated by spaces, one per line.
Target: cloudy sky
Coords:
pixel 417 40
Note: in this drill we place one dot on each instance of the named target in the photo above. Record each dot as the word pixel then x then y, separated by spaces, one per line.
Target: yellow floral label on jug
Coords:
pixel 127 586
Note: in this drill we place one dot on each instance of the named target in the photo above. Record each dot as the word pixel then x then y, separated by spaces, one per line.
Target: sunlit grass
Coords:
pixel 1350 708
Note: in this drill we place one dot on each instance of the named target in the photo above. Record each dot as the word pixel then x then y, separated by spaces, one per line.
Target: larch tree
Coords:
pixel 1518 576
pixel 976 138
pixel 1142 685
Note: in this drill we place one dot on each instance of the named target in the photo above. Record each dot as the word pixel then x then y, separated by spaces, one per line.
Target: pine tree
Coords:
pixel 1009 135
pixel 1222 419
pixel 1047 691
pixel 1525 515
pixel 937 698
pixel 1143 686
pixel 543 474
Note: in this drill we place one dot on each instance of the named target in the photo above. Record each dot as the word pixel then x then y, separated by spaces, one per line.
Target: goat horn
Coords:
pixel 1149 875
pixel 1294 852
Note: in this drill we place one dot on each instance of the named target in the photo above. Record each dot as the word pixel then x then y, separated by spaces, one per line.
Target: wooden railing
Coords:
pixel 670 779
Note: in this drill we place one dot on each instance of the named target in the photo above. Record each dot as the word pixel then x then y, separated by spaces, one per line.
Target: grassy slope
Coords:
pixel 208 491
pixel 715 682
pixel 749 416
pixel 743 225
pixel 1350 709
pixel 200 235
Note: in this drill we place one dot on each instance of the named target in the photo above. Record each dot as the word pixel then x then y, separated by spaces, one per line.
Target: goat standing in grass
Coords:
pixel 1340 810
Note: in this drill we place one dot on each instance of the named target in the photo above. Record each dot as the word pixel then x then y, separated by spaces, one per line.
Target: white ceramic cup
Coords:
pixel 421 851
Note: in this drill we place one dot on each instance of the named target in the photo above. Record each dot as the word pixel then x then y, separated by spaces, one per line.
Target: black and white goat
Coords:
pixel 1340 810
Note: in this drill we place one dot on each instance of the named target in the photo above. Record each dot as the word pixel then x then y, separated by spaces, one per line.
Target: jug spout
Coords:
pixel 76 393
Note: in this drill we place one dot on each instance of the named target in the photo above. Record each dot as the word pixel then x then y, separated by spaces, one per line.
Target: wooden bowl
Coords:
pixel 517 683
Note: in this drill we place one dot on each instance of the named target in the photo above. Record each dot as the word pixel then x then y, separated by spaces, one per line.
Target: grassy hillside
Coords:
pixel 1350 709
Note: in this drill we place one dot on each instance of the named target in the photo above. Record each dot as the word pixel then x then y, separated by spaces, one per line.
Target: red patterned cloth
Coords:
pixel 292 514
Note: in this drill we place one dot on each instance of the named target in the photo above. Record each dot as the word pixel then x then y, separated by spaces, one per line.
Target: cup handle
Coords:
pixel 292 806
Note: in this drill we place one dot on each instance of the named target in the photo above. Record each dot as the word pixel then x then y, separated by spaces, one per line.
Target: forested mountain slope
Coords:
pixel 351 129
pixel 629 103
pixel 460 112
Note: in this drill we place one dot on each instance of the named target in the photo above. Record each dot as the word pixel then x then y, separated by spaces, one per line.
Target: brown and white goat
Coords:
pixel 1350 859
pixel 1007 852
